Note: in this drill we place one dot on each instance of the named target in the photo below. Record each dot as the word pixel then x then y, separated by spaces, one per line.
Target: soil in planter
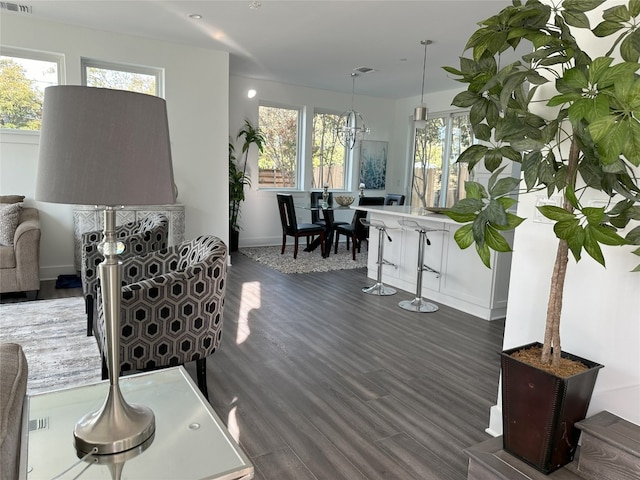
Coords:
pixel 532 356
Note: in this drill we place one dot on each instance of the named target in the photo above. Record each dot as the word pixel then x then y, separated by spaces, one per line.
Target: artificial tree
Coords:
pixel 585 137
pixel 238 177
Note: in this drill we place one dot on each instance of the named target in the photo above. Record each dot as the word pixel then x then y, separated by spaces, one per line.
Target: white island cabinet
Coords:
pixel 464 282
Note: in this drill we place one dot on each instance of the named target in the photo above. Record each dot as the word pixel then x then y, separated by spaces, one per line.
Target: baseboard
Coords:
pixel 52 273
pixel 495 421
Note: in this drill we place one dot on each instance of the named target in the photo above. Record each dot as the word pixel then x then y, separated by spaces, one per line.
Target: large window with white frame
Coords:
pixel 438 179
pixel 133 78
pixel 330 159
pixel 279 162
pixel 24 74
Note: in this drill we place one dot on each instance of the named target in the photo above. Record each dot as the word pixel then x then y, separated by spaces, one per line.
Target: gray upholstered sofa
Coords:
pixel 13 387
pixel 20 258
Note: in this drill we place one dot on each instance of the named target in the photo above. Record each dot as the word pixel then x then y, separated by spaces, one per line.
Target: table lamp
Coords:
pixel 107 148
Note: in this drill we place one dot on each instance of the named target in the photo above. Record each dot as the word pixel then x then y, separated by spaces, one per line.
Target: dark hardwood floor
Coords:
pixel 320 381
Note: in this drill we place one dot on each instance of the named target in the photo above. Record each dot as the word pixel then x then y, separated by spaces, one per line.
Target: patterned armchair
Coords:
pixel 172 305
pixel 141 237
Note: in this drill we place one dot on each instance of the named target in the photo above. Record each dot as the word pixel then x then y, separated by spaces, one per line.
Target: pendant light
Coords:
pixel 351 126
pixel 420 112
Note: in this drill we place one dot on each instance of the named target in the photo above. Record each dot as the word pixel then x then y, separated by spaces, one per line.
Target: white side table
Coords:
pixel 190 442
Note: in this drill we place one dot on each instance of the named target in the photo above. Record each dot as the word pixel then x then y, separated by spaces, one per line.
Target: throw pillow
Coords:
pixel 11 198
pixel 9 217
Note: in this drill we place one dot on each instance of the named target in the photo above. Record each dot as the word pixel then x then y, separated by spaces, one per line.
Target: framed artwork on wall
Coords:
pixel 373 164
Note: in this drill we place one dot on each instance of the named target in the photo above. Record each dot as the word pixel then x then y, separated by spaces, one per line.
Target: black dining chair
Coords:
pixel 356 232
pixel 394 199
pixel 291 227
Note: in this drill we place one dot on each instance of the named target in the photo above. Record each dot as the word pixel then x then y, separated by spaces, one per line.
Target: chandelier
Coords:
pixel 420 112
pixel 351 126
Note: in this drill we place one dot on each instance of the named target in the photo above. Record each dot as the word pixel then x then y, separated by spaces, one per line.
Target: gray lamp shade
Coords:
pixel 106 147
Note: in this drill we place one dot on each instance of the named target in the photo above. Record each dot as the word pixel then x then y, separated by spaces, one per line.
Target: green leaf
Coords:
pixel 594 215
pixel 473 155
pixel 634 7
pixel 496 241
pixel 493 159
pixel 474 190
pixel 482 132
pixel 467 205
pixel 512 221
pixel 629 50
pixel 605 235
pixel 557 214
pixel 633 237
pixel 464 236
pixel 576 19
pixel 485 254
pixel 581 5
pixel 619 13
pixel 465 99
pixel 606 28
pixel 460 217
pixel 506 202
pixel 573 234
pixel 631 148
pixel 504 186
pixel 592 247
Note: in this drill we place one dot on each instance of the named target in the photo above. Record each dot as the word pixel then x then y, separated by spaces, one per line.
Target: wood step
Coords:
pixel 488 461
pixel 610 448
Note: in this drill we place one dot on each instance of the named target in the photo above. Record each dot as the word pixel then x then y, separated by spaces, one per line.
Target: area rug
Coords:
pixel 307 261
pixel 53 335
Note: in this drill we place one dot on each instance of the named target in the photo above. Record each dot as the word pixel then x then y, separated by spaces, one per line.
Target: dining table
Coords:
pixel 328 217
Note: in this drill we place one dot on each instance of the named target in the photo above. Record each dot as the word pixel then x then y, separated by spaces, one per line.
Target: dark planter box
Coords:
pixel 234 237
pixel 539 410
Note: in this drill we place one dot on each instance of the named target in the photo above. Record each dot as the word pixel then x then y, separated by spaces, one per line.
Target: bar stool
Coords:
pixel 379 288
pixel 419 304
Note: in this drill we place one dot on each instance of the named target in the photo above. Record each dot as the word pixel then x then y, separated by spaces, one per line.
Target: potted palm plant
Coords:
pixel 583 136
pixel 238 178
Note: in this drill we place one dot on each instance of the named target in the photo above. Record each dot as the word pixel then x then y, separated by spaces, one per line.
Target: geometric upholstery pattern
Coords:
pixel 140 237
pixel 171 307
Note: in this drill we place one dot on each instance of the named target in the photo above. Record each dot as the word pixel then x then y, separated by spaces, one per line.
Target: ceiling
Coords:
pixel 309 43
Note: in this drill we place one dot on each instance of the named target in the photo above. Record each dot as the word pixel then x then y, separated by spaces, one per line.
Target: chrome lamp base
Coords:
pixel 116 427
pixel 418 305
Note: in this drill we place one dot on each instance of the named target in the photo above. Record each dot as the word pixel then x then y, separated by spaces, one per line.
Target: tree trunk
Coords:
pixel 551 348
pixel 554 308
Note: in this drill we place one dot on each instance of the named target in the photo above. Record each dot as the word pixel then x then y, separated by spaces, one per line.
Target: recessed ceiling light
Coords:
pixel 195 16
pixel 251 93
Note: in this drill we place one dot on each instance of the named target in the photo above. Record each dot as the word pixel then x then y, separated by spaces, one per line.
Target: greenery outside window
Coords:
pixel 438 180
pixel 329 156
pixel 279 160
pixel 23 77
pixel 96 73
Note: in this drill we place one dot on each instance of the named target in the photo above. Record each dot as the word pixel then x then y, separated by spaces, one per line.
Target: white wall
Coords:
pixel 196 90
pixel 259 218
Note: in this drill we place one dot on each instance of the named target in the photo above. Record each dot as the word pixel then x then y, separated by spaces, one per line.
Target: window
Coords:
pixel 147 80
pixel 329 156
pixel 23 77
pixel 279 161
pixel 438 181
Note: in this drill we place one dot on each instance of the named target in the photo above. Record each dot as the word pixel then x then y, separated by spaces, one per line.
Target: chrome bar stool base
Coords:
pixel 418 305
pixel 380 288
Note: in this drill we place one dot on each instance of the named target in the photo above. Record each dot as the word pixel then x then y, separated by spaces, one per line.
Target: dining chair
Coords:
pixel 394 199
pixel 355 232
pixel 291 227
